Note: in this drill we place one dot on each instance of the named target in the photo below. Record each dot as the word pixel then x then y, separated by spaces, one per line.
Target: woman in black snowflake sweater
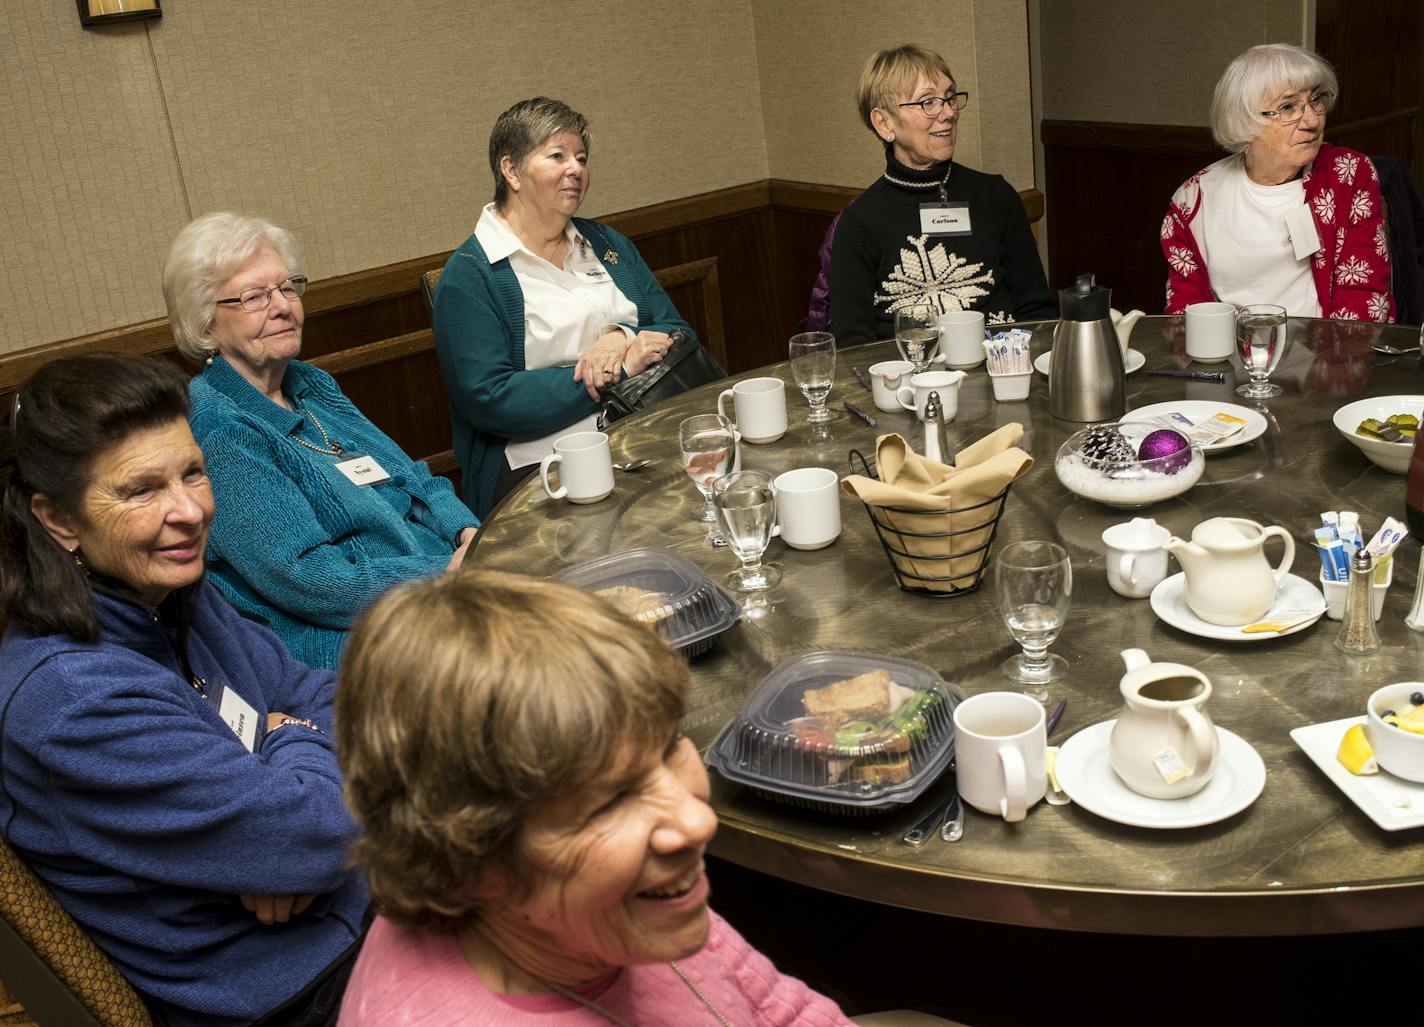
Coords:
pixel 928 230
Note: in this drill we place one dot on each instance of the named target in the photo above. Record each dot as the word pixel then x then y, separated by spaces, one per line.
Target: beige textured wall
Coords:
pixel 811 51
pixel 361 125
pixel 1150 62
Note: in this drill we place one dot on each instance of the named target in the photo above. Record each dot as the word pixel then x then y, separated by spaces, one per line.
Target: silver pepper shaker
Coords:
pixel 1415 619
pixel 1357 630
pixel 936 442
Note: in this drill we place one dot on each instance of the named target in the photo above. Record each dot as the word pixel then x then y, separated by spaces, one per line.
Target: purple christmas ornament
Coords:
pixel 1168 446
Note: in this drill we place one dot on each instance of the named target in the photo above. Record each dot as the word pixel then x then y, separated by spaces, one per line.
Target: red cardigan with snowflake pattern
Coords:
pixel 1351 269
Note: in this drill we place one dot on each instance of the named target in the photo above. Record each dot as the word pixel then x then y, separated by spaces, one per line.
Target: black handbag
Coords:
pixel 686 366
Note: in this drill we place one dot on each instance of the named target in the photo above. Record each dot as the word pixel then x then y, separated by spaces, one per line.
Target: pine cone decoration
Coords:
pixel 1106 447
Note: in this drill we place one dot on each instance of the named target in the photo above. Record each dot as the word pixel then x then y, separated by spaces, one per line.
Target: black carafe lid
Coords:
pixel 1084 300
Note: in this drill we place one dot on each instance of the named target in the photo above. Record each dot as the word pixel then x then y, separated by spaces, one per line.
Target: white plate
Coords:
pixel 1169 603
pixel 1134 362
pixel 1198 410
pixel 1086 774
pixel 1391 802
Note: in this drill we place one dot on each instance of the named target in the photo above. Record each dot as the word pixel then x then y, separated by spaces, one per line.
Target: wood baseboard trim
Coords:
pixel 374 354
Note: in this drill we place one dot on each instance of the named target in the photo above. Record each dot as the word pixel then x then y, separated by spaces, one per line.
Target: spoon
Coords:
pixel 632 465
pixel 1393 351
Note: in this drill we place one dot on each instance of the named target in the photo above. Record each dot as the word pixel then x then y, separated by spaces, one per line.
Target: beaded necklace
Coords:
pixel 333 448
pixel 942 185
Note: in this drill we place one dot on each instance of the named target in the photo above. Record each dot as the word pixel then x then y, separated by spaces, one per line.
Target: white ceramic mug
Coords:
pixel 1136 561
pixel 885 378
pixel 1211 332
pixel 1001 749
pixel 760 405
pixel 917 393
pixel 961 338
pixel 808 507
pixel 585 467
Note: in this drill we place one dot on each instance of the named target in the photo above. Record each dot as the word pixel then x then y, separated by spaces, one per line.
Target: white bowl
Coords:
pixel 1392 456
pixel 1399 751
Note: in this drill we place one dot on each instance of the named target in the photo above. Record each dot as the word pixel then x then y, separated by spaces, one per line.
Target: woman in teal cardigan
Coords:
pixel 539 312
pixel 318 511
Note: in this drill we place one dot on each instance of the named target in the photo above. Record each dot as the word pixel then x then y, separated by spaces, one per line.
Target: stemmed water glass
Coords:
pixel 746 507
pixel 813 365
pixel 1034 581
pixel 1261 341
pixel 708 447
pixel 917 334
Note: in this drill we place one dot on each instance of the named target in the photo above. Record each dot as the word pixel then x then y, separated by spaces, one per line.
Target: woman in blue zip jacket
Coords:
pixel 539 312
pixel 166 766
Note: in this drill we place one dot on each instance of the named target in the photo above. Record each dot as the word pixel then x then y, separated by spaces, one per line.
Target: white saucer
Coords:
pixel 1391 802
pixel 1134 362
pixel 1086 774
pixel 1169 603
pixel 1198 410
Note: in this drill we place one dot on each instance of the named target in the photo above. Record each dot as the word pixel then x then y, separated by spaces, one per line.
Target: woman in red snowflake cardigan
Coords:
pixel 1287 218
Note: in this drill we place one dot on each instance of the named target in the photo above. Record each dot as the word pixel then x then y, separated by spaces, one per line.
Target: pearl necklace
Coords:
pixel 332 448
pixel 941 185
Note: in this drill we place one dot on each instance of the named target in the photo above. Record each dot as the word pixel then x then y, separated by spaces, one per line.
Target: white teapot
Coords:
pixel 1163 745
pixel 1122 324
pixel 1229 581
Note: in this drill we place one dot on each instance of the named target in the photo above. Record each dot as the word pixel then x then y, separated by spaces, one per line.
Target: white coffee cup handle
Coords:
pixel 939 358
pixel 1200 731
pixel 1014 806
pixel 1124 569
pixel 900 394
pixel 722 398
pixel 544 465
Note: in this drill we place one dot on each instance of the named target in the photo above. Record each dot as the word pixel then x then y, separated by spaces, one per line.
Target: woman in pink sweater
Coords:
pixel 535 821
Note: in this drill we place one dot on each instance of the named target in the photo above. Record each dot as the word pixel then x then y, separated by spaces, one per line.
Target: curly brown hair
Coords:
pixel 468 701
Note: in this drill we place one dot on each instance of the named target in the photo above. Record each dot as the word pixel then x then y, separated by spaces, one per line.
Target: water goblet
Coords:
pixel 708 446
pixel 1034 582
pixel 917 335
pixel 813 365
pixel 1261 341
pixel 746 507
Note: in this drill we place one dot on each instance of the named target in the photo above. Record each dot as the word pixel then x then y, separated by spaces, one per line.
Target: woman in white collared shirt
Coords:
pixel 539 312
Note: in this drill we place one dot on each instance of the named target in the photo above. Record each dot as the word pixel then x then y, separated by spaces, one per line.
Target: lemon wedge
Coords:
pixel 1355 753
pixel 1412 721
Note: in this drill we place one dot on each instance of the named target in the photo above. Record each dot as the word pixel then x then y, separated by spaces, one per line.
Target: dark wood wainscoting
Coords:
pixel 1109 186
pixel 738 262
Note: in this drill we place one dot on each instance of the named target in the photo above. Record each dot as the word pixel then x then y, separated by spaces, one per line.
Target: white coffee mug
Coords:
pixel 760 405
pixel 1001 749
pixel 917 393
pixel 1211 332
pixel 585 467
pixel 808 507
pixel 1136 561
pixel 885 378
pixel 961 338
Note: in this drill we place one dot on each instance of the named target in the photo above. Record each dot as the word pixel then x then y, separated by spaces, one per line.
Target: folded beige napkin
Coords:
pixel 924 492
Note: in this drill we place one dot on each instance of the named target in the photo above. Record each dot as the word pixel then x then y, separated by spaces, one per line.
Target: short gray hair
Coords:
pixel 1254 79
pixel 206 253
pixel 524 126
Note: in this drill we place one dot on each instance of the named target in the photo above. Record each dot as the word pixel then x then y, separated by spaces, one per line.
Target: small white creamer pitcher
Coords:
pixel 1163 745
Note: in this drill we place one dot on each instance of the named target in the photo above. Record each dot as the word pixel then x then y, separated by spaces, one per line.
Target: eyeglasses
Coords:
pixel 1292 111
pixel 933 106
pixel 260 298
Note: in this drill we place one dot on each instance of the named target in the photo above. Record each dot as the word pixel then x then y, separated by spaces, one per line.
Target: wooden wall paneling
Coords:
pixel 1109 186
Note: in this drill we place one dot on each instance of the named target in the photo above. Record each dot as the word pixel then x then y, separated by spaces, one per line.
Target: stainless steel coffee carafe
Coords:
pixel 1086 381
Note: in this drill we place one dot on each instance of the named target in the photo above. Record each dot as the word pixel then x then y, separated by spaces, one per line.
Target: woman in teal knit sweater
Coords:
pixel 318 511
pixel 539 312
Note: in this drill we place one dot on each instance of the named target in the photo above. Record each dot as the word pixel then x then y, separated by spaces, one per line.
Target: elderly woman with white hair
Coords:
pixel 318 511
pixel 1286 218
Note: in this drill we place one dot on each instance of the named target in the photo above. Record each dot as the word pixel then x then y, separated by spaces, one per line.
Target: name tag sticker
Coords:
pixel 595 275
pixel 363 470
pixel 240 716
pixel 1305 240
pixel 944 219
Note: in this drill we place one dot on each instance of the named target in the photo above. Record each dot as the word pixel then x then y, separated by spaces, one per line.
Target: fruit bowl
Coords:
pixel 1398 751
pixel 1102 463
pixel 1392 456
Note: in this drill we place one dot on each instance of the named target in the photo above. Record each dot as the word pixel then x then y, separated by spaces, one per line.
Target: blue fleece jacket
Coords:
pixel 131 798
pixel 479 339
pixel 294 544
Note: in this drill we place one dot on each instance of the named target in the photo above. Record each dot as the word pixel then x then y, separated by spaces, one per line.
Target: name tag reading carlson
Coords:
pixel 945 218
pixel 363 470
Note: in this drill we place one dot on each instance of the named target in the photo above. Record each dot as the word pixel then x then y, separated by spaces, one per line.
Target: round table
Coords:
pixel 1302 859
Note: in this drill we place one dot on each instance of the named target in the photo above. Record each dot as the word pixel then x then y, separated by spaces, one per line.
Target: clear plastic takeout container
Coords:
pixel 670 594
pixel 816 733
